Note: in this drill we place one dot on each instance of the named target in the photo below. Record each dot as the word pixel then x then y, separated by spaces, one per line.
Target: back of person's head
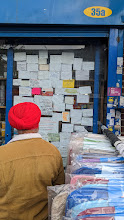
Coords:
pixel 25 116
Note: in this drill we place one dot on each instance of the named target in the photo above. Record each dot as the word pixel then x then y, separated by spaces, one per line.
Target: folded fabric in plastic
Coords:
pixel 100 169
pixel 82 159
pixel 94 192
pixel 114 216
pixel 76 210
pixel 85 179
pixel 104 218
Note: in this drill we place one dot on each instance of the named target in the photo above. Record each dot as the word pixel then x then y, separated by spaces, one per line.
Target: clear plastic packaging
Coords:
pixel 95 181
pixel 94 196
pixel 76 144
pixel 57 196
pixel 87 179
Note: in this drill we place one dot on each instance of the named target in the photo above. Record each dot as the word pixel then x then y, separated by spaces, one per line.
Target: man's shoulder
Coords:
pixel 51 148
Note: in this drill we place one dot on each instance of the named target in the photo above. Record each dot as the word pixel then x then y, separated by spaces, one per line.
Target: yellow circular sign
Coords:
pixel 97 12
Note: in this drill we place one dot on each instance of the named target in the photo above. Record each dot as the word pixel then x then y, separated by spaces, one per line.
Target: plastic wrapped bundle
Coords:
pixel 88 179
pixel 95 196
pixel 76 144
pixel 57 196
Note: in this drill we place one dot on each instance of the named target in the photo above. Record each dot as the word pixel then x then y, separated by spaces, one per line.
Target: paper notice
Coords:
pixel 32 66
pixel 17 99
pixel 24 75
pixel 43 54
pixel 119 70
pixel 120 61
pixel 36 91
pixel 24 91
pixel 82 74
pixel 108 116
pixel 121 100
pixel 47 125
pixel 45 84
pixel 67 127
pixel 82 98
pixel 32 58
pixel 66 67
pixel 65 117
pixel 16 82
pixel 47 91
pixel 88 65
pixel 76 121
pixel 59 107
pixel 67 57
pixel 69 107
pixel 43 100
pixel 58 99
pixel 76 116
pixel 65 138
pixel 56 83
pixel 65 135
pixel 66 75
pixel 44 67
pixel 34 83
pixel 55 67
pixel 46 110
pixel 111 122
pixel 85 90
pixel 68 83
pixel 69 100
pixel 54 75
pixel 87 121
pixel 53 137
pixel 112 111
pixel 76 113
pixel 73 91
pixel 42 61
pixel 21 66
pixel 63 151
pixel 28 99
pixel 20 56
pixel 34 75
pixel 43 75
pixel 57 116
pixel 77 63
pixel 79 128
pixel 25 83
pixel 87 112
pixel 55 58
pixel 66 91
pixel 45 103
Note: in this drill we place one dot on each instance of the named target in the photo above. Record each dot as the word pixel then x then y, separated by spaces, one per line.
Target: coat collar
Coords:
pixel 20 137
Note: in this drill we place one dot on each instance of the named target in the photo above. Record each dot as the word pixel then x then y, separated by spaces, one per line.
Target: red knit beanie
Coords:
pixel 24 116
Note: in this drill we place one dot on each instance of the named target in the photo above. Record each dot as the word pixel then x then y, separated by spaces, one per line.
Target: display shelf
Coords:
pixel 2 79
pixel 2 106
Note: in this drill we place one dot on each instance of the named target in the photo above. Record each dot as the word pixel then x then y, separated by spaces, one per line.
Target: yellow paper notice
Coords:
pixel 68 83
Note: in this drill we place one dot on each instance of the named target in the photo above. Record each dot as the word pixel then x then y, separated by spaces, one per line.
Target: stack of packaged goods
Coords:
pixel 94 188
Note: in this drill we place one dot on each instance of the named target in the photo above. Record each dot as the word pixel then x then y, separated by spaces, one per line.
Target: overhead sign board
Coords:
pixel 73 12
pixel 97 12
